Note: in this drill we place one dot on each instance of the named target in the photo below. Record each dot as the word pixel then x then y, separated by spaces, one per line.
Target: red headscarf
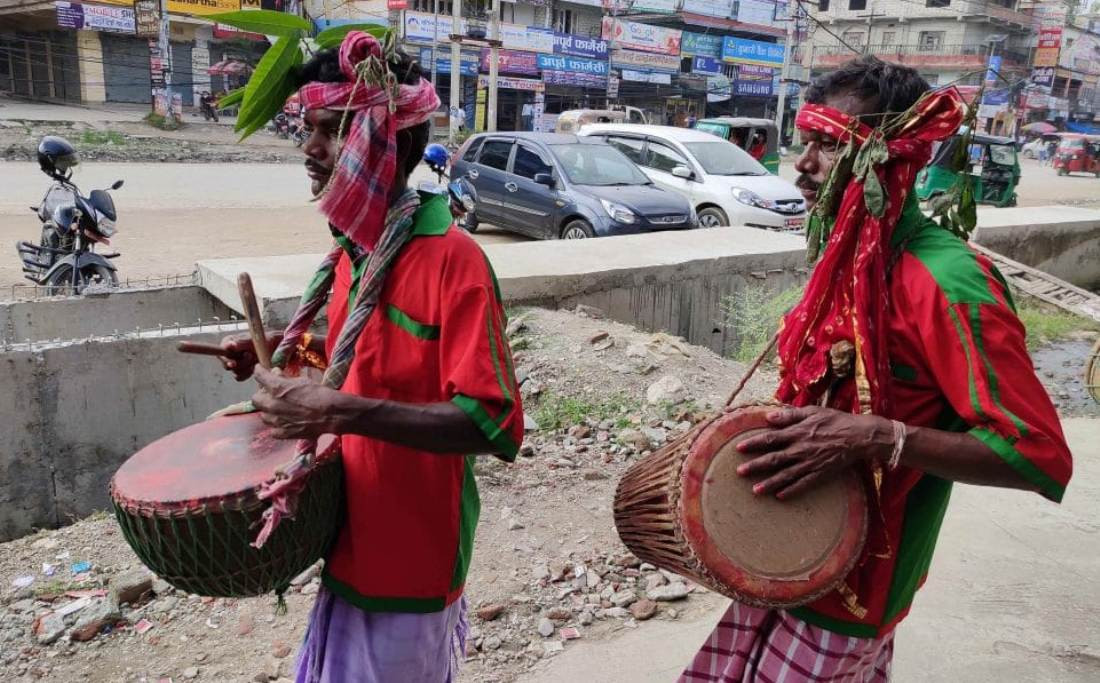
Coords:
pixel 357 196
pixel 846 297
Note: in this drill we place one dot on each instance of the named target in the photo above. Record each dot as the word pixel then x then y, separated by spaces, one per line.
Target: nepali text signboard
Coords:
pixel 700 45
pixel 421 27
pixel 575 79
pixel 570 44
pixel 516 37
pixel 744 51
pixel 647 77
pixel 467 65
pixel 756 12
pixel 706 65
pixel 722 9
pixel 644 37
pixel 203 7
pixel 511 62
pixel 146 18
pixel 95 17
pixel 573 65
pixel 645 61
pixel 656 6
pixel 1050 42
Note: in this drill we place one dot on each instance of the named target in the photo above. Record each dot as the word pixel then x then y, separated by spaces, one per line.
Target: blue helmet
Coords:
pixel 437 157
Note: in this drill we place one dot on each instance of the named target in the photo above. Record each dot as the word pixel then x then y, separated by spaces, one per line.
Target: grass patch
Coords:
pixel 555 411
pixel 753 315
pixel 102 137
pixel 162 122
pixel 1046 324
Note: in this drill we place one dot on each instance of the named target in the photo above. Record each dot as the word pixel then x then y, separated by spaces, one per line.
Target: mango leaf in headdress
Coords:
pixel 267 22
pixel 231 99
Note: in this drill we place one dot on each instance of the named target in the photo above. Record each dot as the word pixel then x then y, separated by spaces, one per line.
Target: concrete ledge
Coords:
pixel 672 281
pixel 1063 241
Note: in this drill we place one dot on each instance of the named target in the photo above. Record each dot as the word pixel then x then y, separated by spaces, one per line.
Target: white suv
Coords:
pixel 724 184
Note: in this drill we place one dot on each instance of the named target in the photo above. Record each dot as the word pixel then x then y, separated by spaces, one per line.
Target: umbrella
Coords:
pixel 1040 127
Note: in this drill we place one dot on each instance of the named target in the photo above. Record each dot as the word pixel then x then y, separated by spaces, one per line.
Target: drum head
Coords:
pixel 208 461
pixel 768 552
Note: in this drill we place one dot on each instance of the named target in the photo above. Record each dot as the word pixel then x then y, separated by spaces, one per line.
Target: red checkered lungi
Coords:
pixel 753 645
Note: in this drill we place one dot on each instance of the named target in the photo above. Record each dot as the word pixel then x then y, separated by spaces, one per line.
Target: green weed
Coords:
pixel 102 137
pixel 753 315
pixel 1046 324
pixel 556 411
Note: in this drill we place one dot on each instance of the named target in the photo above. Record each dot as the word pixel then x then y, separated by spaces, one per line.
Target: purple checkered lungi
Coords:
pixel 344 644
pixel 754 645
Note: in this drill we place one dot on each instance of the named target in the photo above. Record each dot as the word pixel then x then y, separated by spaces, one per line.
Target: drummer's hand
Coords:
pixel 296 407
pixel 808 446
pixel 240 355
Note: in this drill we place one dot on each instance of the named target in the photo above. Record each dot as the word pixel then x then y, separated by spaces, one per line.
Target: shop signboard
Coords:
pixel 705 65
pixel 752 88
pixel 570 44
pixel 745 51
pixel 516 37
pixel 1043 76
pixel 577 65
pixel 203 7
pixel 700 45
pixel 656 6
pixel 146 18
pixel 422 28
pixel 1050 42
pixel 710 8
pixel 397 4
pixel 156 66
pixel 575 79
pixel 645 61
pixel 644 37
pixel 530 84
pixel 468 61
pixel 95 17
pixel 647 77
pixel 718 88
pixel 756 12
pixel 511 62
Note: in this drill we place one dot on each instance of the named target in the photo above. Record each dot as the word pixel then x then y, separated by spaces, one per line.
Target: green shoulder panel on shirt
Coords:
pixel 952 265
pixel 433 218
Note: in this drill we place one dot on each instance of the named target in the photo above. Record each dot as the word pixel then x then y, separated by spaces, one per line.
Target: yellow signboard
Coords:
pixel 481 105
pixel 117 3
pixel 203 7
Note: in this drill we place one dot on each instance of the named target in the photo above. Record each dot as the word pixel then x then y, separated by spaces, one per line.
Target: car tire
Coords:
pixel 576 230
pixel 713 217
pixel 469 222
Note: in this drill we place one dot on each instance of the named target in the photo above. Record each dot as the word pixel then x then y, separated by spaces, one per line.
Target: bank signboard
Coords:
pixel 745 51
pixel 700 45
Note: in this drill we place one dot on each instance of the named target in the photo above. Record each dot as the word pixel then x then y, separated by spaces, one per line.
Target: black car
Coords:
pixel 553 186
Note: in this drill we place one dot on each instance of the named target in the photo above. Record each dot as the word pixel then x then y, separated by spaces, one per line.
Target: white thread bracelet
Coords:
pixel 899 445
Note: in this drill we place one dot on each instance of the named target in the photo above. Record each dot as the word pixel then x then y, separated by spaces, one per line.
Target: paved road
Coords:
pixel 174 214
pixel 1012 596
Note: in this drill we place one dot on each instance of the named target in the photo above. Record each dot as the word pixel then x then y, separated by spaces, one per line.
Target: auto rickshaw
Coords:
pixel 1077 154
pixel 755 136
pixel 574 119
pixel 992 165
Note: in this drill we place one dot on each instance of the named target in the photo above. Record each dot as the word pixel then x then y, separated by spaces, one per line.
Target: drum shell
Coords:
pixel 663 526
pixel 204 546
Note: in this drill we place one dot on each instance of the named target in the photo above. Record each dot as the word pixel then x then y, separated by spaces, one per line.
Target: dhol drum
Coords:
pixel 188 506
pixel 685 509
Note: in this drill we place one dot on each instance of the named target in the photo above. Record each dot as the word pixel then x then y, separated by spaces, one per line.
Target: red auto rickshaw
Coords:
pixel 1077 153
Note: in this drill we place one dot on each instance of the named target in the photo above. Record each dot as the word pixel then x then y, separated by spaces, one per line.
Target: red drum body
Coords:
pixel 187 505
pixel 685 509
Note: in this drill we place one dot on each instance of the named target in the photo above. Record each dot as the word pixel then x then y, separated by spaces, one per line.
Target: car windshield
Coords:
pixel 724 158
pixel 1072 143
pixel 587 164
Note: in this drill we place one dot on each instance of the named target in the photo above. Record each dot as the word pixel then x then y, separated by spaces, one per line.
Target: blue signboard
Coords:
pixel 753 88
pixel 744 51
pixel 705 65
pixel 701 45
pixel 572 64
pixel 467 67
pixel 994 68
pixel 569 44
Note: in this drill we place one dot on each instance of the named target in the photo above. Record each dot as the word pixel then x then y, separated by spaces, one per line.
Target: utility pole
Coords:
pixel 788 49
pixel 611 48
pixel 165 54
pixel 494 64
pixel 870 17
pixel 435 38
pixel 456 70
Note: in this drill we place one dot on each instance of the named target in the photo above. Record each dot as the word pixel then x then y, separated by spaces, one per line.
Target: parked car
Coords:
pixel 551 186
pixel 723 183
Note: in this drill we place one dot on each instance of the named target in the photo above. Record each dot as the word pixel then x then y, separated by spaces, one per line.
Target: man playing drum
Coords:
pixel 904 359
pixel 430 381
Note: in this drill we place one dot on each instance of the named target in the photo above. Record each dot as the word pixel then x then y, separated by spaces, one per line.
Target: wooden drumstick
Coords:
pixel 200 349
pixel 255 322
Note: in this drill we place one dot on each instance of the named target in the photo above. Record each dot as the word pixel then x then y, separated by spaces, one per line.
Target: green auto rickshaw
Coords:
pixel 992 165
pixel 758 137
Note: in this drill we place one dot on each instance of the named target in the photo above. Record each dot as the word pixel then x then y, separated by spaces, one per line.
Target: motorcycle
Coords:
pixel 65 260
pixel 460 191
pixel 290 127
pixel 207 103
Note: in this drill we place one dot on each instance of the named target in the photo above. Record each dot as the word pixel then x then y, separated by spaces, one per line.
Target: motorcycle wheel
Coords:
pixel 61 282
pixel 468 222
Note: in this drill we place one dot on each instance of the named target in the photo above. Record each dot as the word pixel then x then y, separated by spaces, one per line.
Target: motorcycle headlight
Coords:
pixel 752 199
pixel 105 226
pixel 618 212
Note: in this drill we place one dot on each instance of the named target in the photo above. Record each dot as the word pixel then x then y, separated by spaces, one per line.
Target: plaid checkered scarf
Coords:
pixel 846 298
pixel 357 195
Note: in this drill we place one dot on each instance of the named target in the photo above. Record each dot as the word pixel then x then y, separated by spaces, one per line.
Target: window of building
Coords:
pixel 429 6
pixel 889 38
pixel 854 38
pixel 822 6
pixel 508 12
pixel 930 40
pixel 563 20
pixel 937 3
pixel 529 164
pixel 495 154
pixel 857 4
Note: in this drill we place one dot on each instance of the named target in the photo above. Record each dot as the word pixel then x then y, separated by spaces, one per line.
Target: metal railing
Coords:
pixel 31 292
pixel 172 330
pixel 1011 56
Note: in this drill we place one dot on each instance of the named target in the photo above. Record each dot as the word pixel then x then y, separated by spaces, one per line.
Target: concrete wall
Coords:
pixel 1061 240
pixel 89 52
pixel 73 412
pixel 119 312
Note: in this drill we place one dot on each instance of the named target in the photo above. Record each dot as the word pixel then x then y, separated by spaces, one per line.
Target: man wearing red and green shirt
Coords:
pixel 960 400
pixel 431 383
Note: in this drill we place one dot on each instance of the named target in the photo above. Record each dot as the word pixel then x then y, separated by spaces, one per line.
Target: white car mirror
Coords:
pixel 683 172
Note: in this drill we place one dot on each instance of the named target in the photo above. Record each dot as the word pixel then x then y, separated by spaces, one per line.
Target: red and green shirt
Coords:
pixel 436 335
pixel 960 363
